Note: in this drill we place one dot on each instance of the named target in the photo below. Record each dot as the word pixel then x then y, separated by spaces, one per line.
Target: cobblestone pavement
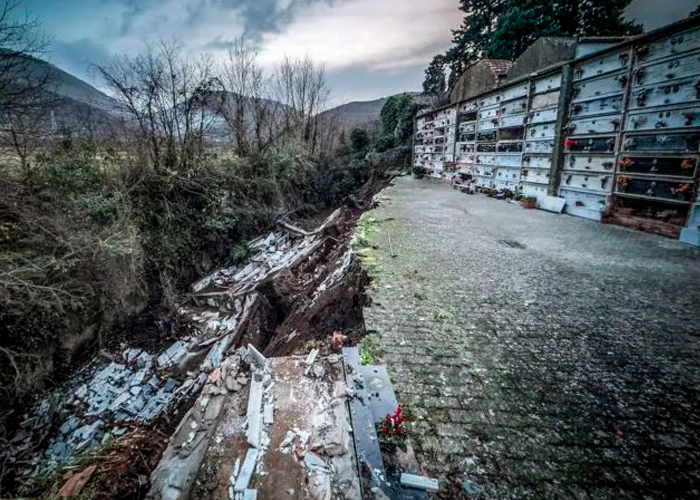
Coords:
pixel 538 355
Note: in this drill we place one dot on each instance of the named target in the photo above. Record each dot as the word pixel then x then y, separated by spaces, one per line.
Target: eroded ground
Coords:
pixel 539 355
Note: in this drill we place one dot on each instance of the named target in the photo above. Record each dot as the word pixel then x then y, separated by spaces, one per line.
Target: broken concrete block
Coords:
pixel 253 413
pixel 131 354
pixel 314 462
pixel 259 359
pixel 232 384
pixel 287 441
pixel 250 495
pixel 268 413
pixel 172 355
pixel 243 479
pixel 311 357
pixel 419 482
pixel 216 355
pixel 213 409
pixel 317 371
pixel 70 425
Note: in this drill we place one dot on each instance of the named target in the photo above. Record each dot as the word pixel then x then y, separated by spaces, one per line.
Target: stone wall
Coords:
pixel 476 79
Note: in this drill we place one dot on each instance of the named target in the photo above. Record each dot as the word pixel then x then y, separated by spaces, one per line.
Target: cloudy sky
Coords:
pixel 371 48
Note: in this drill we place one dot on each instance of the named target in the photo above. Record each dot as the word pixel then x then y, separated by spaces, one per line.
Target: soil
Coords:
pixel 152 330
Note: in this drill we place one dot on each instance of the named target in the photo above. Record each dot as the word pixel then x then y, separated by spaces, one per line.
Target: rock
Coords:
pixel 317 371
pixel 232 384
pixel 70 425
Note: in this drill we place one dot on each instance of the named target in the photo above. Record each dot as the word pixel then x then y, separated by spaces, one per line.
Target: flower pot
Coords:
pixel 529 203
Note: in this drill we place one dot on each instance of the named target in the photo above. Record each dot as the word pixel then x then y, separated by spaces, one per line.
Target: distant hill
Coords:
pixel 355 114
pixel 358 114
pixel 74 104
pixel 70 87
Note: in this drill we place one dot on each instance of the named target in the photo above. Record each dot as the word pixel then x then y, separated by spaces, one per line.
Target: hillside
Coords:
pixel 364 114
pixel 355 114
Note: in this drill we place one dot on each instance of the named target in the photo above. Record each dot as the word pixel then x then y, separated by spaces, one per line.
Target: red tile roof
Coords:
pixel 499 66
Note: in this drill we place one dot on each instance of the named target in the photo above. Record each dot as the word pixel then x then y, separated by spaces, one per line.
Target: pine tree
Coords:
pixel 520 26
pixel 434 82
pixel 503 29
pixel 473 37
pixel 602 18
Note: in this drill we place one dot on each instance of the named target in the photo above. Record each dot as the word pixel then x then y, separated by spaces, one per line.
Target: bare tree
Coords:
pixel 172 100
pixel 239 73
pixel 21 40
pixel 303 89
pixel 250 112
pixel 25 85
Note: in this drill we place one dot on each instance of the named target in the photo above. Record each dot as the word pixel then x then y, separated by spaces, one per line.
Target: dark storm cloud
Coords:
pixel 134 9
pixel 259 16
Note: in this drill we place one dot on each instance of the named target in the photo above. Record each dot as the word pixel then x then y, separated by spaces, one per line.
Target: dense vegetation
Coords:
pixel 503 29
pixel 393 136
pixel 96 228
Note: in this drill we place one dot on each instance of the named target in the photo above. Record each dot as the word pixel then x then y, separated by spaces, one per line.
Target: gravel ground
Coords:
pixel 538 355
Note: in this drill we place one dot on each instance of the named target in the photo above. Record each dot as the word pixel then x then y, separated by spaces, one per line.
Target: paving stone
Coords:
pixel 582 377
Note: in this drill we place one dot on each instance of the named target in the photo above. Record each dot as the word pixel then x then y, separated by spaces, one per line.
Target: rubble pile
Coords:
pixel 134 388
pixel 174 476
pixel 306 451
pixel 130 390
pixel 225 288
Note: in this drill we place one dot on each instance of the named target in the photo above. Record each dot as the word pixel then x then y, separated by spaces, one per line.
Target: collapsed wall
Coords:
pixel 295 292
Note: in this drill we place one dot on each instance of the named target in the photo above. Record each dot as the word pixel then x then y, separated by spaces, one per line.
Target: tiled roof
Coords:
pixel 499 66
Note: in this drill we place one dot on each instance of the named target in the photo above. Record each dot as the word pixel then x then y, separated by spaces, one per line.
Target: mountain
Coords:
pixel 358 114
pixel 79 103
pixel 65 102
pixel 355 114
pixel 72 88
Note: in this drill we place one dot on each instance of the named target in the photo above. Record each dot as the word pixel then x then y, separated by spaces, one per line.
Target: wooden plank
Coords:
pixel 294 229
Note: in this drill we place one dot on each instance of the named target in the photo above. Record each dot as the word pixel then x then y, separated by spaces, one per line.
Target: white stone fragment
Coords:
pixel 254 413
pixel 259 359
pixel 268 414
pixel 419 482
pixel 246 473
pixel 311 357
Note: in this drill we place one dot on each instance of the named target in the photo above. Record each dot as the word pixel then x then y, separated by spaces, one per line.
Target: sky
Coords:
pixel 371 48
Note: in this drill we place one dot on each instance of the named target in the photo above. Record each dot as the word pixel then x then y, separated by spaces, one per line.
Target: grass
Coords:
pixel 370 351
pixel 362 239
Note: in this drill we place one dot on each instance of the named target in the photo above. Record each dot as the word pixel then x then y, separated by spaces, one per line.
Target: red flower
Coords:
pixel 569 143
pixel 392 424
